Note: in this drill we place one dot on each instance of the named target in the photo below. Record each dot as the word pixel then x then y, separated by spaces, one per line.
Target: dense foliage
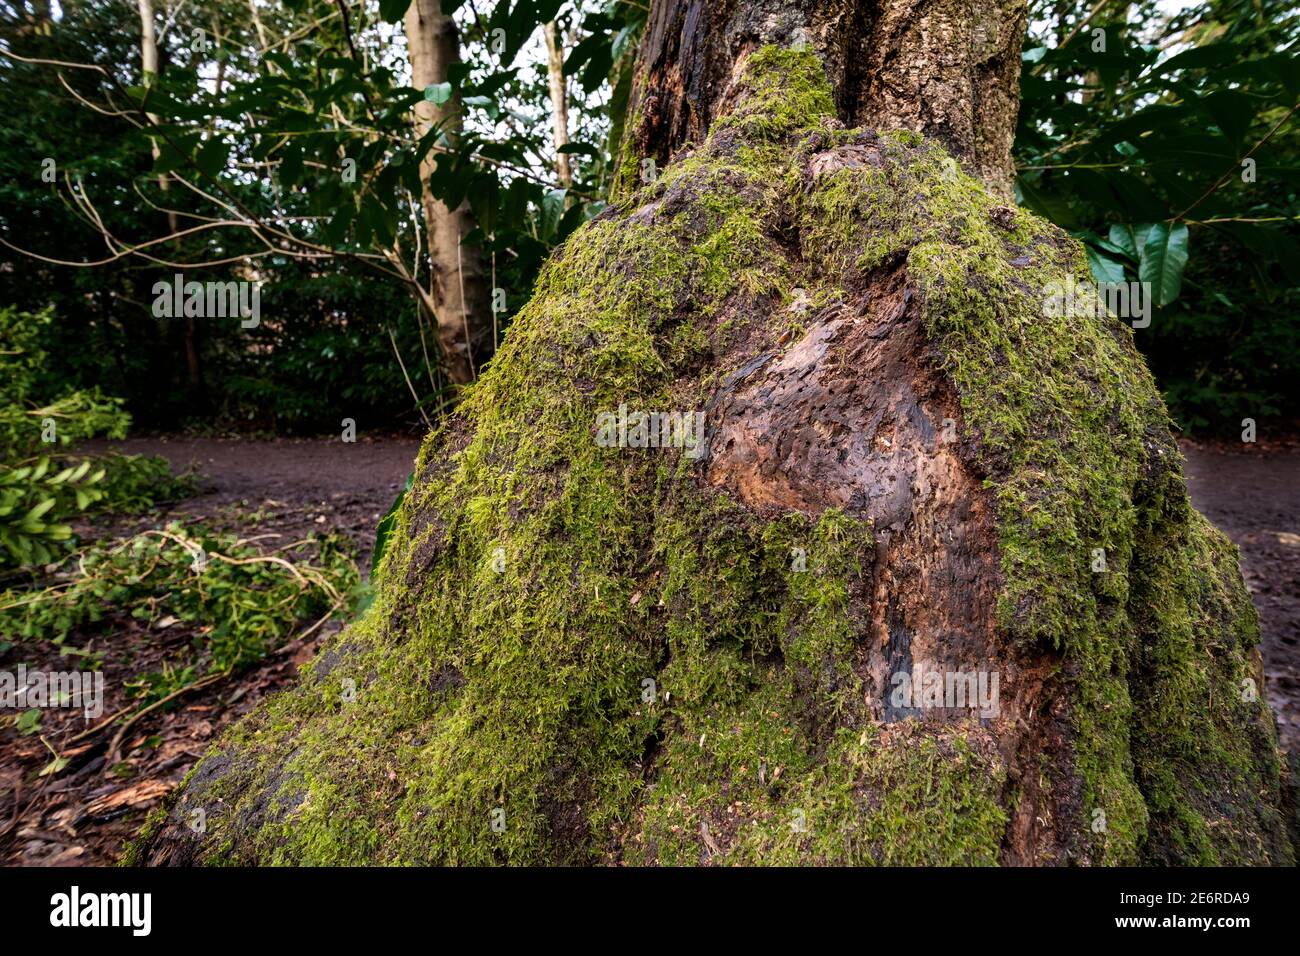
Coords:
pixel 238 602
pixel 285 129
pixel 1163 140
pixel 44 483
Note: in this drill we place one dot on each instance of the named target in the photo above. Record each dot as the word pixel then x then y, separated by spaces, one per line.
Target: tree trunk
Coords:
pixel 559 101
pixel 902 570
pixel 149 68
pixel 460 293
pixel 948 69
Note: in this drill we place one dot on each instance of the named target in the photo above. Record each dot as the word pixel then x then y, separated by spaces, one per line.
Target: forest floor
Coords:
pixel 288 488
pixel 268 491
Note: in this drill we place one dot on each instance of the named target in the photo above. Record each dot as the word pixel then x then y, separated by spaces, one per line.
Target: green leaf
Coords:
pixel 1232 112
pixel 1164 256
pixel 485 103
pixel 438 93
pixel 211 158
pixel 29 721
pixel 1125 237
pixel 40 509
pixel 54 766
pixel 393 10
pixel 1105 270
pixel 385 527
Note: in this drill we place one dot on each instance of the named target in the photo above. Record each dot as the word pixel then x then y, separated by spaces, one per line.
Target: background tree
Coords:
pixel 293 149
pixel 1129 116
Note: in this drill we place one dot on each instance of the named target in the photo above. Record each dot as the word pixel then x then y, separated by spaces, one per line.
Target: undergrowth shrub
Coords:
pixel 239 603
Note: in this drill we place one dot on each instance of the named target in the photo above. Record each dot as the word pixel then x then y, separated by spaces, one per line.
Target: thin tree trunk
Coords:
pixel 148 53
pixel 149 68
pixel 257 25
pixel 559 101
pixel 946 68
pixel 460 291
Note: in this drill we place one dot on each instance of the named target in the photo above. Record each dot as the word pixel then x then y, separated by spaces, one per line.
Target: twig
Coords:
pixel 1232 169
pixel 110 759
pixel 398 353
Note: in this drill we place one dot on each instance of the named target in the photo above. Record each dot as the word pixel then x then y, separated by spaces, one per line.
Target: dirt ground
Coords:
pixel 288 488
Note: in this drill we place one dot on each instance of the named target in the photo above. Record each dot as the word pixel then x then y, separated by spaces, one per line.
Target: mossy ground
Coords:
pixel 581 654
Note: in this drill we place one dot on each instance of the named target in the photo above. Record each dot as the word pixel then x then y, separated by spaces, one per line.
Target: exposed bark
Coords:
pixel 559 101
pixel 460 291
pixel 946 68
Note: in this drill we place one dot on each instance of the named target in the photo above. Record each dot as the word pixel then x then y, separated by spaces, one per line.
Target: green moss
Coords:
pixel 747 791
pixel 1205 748
pixel 581 653
pixel 781 93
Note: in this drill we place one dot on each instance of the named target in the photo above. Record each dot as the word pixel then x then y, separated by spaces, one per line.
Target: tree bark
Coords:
pixel 460 292
pixel 948 69
pixel 559 101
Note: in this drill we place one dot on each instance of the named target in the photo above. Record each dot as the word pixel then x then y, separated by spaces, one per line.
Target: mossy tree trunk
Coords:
pixel 948 69
pixel 907 575
pixel 459 291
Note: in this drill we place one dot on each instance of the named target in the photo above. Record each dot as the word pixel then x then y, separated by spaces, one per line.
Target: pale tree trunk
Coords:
pixel 460 293
pixel 149 66
pixel 149 72
pixel 948 69
pixel 559 101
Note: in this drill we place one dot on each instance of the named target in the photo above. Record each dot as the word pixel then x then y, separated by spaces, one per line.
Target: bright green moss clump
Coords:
pixel 586 654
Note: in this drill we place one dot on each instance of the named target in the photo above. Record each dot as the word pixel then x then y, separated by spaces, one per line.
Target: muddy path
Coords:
pixel 289 486
pixel 1254 497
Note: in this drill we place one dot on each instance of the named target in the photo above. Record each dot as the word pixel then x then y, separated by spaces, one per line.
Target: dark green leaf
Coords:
pixel 1164 257
pixel 393 10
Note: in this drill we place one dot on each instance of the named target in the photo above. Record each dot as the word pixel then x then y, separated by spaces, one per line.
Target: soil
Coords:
pixel 287 488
